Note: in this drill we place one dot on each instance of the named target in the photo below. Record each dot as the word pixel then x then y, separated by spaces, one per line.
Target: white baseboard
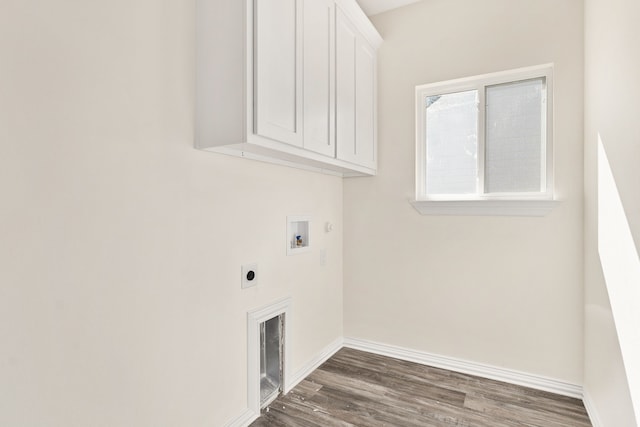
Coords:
pixel 467 367
pixel 437 361
pixel 313 364
pixel 591 409
pixel 244 419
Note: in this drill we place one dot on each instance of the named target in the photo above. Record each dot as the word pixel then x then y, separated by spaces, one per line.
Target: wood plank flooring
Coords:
pixel 355 388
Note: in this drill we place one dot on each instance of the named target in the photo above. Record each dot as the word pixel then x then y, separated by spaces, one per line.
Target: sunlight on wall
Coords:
pixel 621 267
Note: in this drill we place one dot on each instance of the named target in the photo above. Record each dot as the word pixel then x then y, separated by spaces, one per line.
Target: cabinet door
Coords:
pixel 319 79
pixel 345 88
pixel 355 95
pixel 278 70
pixel 365 104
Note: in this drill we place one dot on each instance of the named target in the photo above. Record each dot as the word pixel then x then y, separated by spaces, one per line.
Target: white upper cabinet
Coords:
pixel 289 82
pixel 278 70
pixel 356 94
pixel 319 78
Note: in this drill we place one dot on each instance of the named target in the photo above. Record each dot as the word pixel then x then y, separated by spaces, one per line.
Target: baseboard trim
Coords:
pixel 591 409
pixel 467 367
pixel 437 361
pixel 313 364
pixel 246 418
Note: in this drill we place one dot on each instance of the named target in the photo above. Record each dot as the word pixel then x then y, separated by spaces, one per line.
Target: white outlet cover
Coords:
pixel 246 270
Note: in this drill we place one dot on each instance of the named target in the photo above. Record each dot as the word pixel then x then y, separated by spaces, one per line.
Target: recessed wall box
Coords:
pixel 298 234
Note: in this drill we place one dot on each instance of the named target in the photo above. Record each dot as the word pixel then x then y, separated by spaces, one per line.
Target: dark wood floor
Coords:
pixel 355 388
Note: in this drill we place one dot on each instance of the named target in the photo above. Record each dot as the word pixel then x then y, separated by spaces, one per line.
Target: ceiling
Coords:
pixel 373 7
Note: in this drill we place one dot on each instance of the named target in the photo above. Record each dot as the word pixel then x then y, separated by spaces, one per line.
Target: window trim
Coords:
pixel 500 201
pixel 507 207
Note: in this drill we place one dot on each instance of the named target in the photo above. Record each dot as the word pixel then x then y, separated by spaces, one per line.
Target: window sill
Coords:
pixel 485 207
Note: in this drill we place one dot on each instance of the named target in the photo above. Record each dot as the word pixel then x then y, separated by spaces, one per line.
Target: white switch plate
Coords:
pixel 249 275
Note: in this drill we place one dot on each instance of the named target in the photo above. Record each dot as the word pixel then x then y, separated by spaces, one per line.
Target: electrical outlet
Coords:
pixel 249 275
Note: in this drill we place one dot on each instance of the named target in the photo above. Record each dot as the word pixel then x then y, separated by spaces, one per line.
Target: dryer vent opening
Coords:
pixel 271 359
pixel 268 353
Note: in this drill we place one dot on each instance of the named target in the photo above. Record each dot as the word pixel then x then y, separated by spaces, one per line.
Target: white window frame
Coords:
pixel 521 204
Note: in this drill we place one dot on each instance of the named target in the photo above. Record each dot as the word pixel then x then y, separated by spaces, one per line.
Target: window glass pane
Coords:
pixel 515 135
pixel 452 143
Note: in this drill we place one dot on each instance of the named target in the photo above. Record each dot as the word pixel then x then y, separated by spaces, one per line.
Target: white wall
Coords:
pixel 612 64
pixel 501 291
pixel 120 244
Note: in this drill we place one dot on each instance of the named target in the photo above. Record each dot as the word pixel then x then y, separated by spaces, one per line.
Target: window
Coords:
pixel 484 144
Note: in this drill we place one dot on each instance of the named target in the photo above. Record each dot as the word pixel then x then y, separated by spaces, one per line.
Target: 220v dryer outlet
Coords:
pixel 249 275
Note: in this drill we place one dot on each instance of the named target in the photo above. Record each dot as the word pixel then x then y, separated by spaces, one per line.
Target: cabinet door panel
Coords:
pixel 365 105
pixel 277 70
pixel 355 95
pixel 318 75
pixel 346 40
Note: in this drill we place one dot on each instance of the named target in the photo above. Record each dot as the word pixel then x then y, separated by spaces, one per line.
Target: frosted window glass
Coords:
pixel 452 143
pixel 515 129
